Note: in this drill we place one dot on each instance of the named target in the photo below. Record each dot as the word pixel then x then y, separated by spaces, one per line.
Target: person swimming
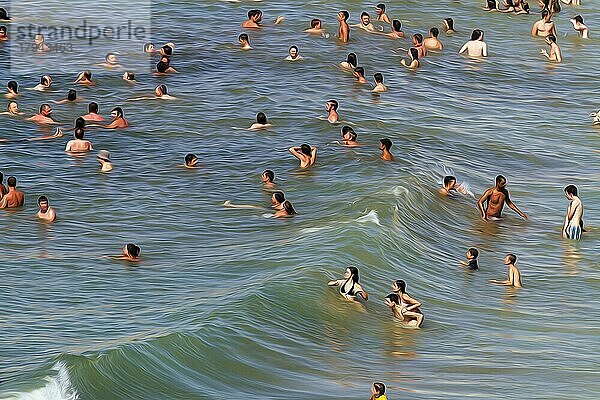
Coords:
pixel 404 307
pixel 305 153
pixel 71 97
pixel 432 42
pixel 92 114
pixel 287 210
pixel 332 114
pixel 555 53
pixel 396 32
pixel 255 18
pixel 414 59
pixel 268 180
pixel 344 29
pixel 12 108
pixel 316 27
pixel 160 92
pixel 294 54
pixel 359 74
pixel 79 144
pixel 277 200
pixel 350 63
pixel 573 225
pixel 380 12
pixel 110 61
pixel 491 5
pixel 4 15
pixel 385 145
pixel 130 252
pixel 261 122
pixel 191 161
pixel 471 263
pixel 365 23
pixel 451 187
pixel 45 213
pixel 12 89
pixel 448 24
pixel 45 83
pixel 118 120
pixel 350 287
pixel 84 78
pixel 580 27
pixel 417 39
pixel 164 67
pixel 104 160
pixel 475 47
pixel 129 77
pixel 379 85
pixel 3 34
pixel 244 41
pixel 149 48
pixel 44 116
pixel 349 137
pixel 39 42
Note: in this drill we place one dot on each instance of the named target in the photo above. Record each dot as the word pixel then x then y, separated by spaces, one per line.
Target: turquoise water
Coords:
pixel 228 303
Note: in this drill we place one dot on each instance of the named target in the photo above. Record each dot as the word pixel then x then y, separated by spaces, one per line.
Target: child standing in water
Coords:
pixel 471 263
pixel 514 275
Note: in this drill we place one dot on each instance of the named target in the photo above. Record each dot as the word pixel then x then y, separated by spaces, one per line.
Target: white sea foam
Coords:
pixel 371 216
pixel 57 387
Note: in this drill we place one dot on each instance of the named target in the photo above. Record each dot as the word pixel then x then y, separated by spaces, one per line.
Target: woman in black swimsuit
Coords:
pixel 349 286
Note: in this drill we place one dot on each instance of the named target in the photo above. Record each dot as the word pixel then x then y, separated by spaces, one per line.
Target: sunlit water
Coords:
pixel 228 303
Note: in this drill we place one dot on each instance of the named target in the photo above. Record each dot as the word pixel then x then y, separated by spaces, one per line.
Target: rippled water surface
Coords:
pixel 228 303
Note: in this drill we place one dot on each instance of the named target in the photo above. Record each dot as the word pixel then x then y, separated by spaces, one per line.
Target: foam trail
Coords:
pixel 57 387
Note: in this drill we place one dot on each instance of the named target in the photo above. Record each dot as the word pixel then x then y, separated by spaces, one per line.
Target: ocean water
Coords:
pixel 229 303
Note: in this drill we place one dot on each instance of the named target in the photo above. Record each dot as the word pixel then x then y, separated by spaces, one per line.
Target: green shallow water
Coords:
pixel 229 303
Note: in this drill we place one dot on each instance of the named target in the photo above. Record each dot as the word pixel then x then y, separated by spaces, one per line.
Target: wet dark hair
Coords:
pixel 11 181
pixel 364 14
pixel 79 132
pixel 434 32
pixel 254 13
pixel 87 74
pixel 378 77
pixel 1 177
pixel 346 14
pixel 381 6
pixel 189 158
pixel 493 5
pixel 448 179
pixel 380 388
pixel 133 250
pixel 119 111
pixel 551 38
pixel 44 106
pixel 42 199
pixel 354 272
pixel 44 80
pixel 72 95
pixel 261 118
pixel 130 76
pixel 474 252
pixel 305 149
pixel 360 71
pixel 4 15
pixel 401 285
pixel 13 85
pixel 352 59
pixel 578 18
pixel 450 23
pixel 147 47
pixel 418 37
pixel 294 47
pixel 3 29
pixel 167 50
pixel 80 122
pixel 500 179
pixel 279 196
pixel 545 13
pixel 394 298
pixel 315 22
pixel 288 207
pixel 396 25
pixel 477 33
pixel 93 108
pixel 509 3
pixel 162 66
pixel 387 143
pixel 334 104
pixel 9 103
pixel 346 129
pixel 163 89
pixel 414 53
pixel 269 174
pixel 511 258
pixel 243 36
pixel 571 189
pixel 350 132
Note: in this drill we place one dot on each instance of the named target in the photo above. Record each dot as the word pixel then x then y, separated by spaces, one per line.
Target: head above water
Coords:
pixel 378 77
pixel 190 159
pixel 571 190
pixel 399 286
pixel 268 176
pixel 477 34
pixel 500 181
pixel 332 105
pixel 288 207
pixel 414 53
pixel 551 39
pixel 449 181
pixel 103 156
pixel 79 133
pixel 379 389
pixel 4 15
pixel 344 15
pixel 305 149
pixel 117 112
pixel 394 298
pixel 315 23
pixel 72 95
pixel 473 252
pixel 80 122
pixel 261 118
pixel 131 250
pixel 243 38
pixel 417 38
pixel 380 8
pixel 11 182
pixel 386 143
pixel 510 259
pixel 578 18
pixel 2 31
pixel 293 51
pixel 161 90
pixel 365 18
pixel 449 24
pixel 255 15
pixel 45 109
pixel 434 32
pixel 43 202
pixel 12 107
pixel 359 71
pixel 352 59
pixel 129 76
pixel 46 80
pixel 396 25
pixel 278 197
pixel 13 87
pixel 166 51
pixel 149 48
pixel 93 108
pixel 546 15
pixel 352 272
pixel 345 129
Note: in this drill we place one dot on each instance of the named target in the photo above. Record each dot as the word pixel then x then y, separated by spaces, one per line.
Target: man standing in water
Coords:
pixel 544 26
pixel 495 198
pixel 573 226
pixel 344 30
pixel 14 198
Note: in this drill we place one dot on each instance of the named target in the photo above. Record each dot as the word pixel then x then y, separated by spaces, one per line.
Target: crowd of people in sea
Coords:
pixel 404 307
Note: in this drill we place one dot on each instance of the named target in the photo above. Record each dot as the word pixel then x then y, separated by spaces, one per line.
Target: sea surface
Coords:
pixel 229 303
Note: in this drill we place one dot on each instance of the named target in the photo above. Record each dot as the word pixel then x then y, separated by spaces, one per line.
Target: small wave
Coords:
pixel 371 216
pixel 57 387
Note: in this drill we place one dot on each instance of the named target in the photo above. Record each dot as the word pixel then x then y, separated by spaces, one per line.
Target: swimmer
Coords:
pixel 78 145
pixel 131 252
pixel 471 263
pixel 110 61
pixel 448 24
pixel 268 180
pixel 40 43
pixel 167 50
pixel 359 74
pixel 332 115
pixel 191 161
pixel 365 23
pixel 244 40
pixel 149 48
pixel 379 85
pixel 103 158
pixel 350 63
pixel 350 287
pixel 349 137
pixel 475 47
pixel 294 54
pixel 286 211
pixel 544 26
pixel 277 200
pixel 4 15
pixel 44 116
pixel 378 388
pixel 12 109
pixel 573 226
pixel 129 77
pixel 92 114
pixel 316 27
pixel 432 42
pixel 344 29
pixel 418 44
pixel 495 199
pixel 46 213
pixel 491 5
pixel 160 92
pixel 163 67
pixel 306 154
pixel 255 18
pixel 118 120
pixel 14 198
pixel 514 275
pixel 580 27
pixel 80 122
pixel 414 61
pixel 385 145
pixel 12 90
pixel 396 32
pixel 45 83
pixel 515 7
pixel 261 123
pixel 85 78
pixel 71 97
pixel 3 35
pixel 3 189
pixel 381 15
pixel 555 54
pixel 451 187
pixel 404 307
